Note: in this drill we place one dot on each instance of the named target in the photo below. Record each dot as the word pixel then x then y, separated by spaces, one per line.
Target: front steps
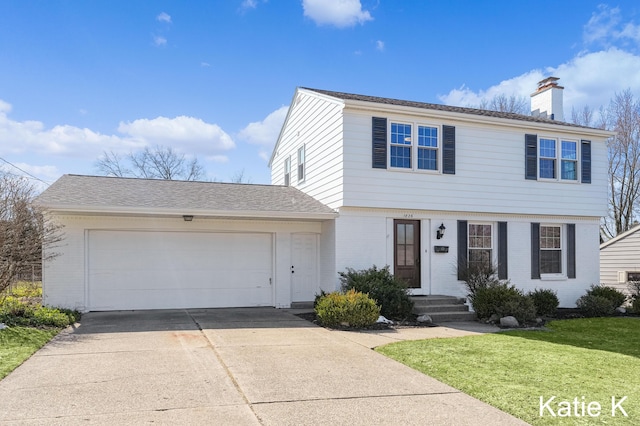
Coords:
pixel 442 308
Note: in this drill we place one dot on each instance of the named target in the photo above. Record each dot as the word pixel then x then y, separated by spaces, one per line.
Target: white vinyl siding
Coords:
pixel 316 122
pixel 489 176
pixel 622 255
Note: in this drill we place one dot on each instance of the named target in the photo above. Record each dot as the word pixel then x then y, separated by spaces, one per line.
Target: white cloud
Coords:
pixel 339 13
pixel 248 4
pixel 380 45
pixel 159 40
pixel 187 134
pixel 606 28
pixel 164 17
pixel 265 132
pixel 589 79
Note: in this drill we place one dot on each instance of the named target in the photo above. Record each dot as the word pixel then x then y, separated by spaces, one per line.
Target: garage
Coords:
pixel 132 244
pixel 159 270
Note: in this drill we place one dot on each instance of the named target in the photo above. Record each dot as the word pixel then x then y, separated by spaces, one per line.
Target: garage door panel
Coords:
pixel 156 270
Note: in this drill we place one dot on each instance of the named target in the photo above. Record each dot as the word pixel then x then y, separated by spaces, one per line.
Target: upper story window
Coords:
pixel 557 159
pixel 404 146
pixel 287 171
pixel 400 145
pixel 301 163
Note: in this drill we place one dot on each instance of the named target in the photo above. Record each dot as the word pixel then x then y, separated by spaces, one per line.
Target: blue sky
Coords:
pixel 214 78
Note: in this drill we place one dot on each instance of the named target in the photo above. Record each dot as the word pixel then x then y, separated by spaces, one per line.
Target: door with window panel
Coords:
pixel 407 251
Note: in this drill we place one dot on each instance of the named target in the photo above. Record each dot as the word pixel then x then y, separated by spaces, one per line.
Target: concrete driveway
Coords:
pixel 226 367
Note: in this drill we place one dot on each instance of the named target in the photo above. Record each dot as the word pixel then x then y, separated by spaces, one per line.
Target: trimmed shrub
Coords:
pixel 351 309
pixel 15 312
pixel 503 299
pixel 545 300
pixel 50 317
pixel 595 306
pixel 479 276
pixel 617 298
pixel 389 292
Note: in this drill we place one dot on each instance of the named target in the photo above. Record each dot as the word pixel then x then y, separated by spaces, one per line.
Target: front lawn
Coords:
pixel 594 360
pixel 30 325
pixel 18 343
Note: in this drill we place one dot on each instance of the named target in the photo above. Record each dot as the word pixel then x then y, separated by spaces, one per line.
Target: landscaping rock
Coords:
pixel 383 320
pixel 2 326
pixel 509 322
pixel 539 321
pixel 621 310
pixel 425 319
pixel 494 318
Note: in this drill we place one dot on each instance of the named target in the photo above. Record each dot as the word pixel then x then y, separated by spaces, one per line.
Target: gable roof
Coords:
pixel 439 107
pixel 621 236
pixel 114 195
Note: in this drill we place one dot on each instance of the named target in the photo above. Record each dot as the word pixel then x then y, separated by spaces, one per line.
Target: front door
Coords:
pixel 407 251
pixel 304 267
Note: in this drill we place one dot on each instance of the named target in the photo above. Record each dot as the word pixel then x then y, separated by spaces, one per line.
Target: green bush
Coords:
pixel 617 298
pixel 351 309
pixel 503 299
pixel 478 276
pixel 595 306
pixel 545 300
pixel 15 312
pixel 26 289
pixel 389 292
pixel 635 305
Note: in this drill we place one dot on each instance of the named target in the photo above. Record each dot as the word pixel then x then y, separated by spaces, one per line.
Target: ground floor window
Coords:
pixel 550 249
pixel 480 245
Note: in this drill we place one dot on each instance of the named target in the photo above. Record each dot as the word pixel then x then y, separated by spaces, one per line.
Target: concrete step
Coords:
pixel 425 309
pixel 437 300
pixel 440 317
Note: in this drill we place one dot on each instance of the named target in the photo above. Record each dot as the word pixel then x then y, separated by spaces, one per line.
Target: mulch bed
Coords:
pixel 408 323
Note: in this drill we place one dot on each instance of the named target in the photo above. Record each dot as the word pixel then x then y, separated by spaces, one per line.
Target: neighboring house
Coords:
pixel 152 244
pixel 357 181
pixel 620 259
pixel 425 188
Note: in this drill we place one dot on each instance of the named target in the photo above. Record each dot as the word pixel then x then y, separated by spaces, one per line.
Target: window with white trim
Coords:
pixel 480 245
pixel 550 249
pixel 287 171
pixel 414 146
pixel 558 159
pixel 301 163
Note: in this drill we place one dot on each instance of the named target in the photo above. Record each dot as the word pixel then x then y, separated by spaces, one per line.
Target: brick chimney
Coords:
pixel 546 102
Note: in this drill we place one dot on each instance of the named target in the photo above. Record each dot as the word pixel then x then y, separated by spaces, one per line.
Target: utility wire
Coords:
pixel 25 172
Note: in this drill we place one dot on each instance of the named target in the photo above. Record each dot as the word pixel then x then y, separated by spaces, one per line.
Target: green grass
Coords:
pixel 31 325
pixel 598 358
pixel 18 343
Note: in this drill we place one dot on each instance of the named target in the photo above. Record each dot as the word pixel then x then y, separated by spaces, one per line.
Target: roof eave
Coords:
pixel 243 214
pixel 482 119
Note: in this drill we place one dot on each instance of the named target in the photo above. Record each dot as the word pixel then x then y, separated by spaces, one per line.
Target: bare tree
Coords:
pixel 239 177
pixel 26 236
pixel 503 103
pixel 623 117
pixel 159 162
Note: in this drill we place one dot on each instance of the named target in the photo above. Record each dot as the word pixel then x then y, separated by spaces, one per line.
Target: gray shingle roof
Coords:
pixel 111 194
pixel 439 107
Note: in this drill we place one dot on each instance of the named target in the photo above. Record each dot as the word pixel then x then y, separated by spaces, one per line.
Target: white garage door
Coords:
pixel 166 270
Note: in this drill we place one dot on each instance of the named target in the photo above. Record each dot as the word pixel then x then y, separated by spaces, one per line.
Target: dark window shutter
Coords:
pixel 462 248
pixel 449 150
pixel 535 251
pixel 531 157
pixel 585 162
pixel 502 251
pixel 379 143
pixel 571 250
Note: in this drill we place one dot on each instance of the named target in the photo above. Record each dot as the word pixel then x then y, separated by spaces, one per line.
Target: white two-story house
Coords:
pixel 357 181
pixel 428 188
